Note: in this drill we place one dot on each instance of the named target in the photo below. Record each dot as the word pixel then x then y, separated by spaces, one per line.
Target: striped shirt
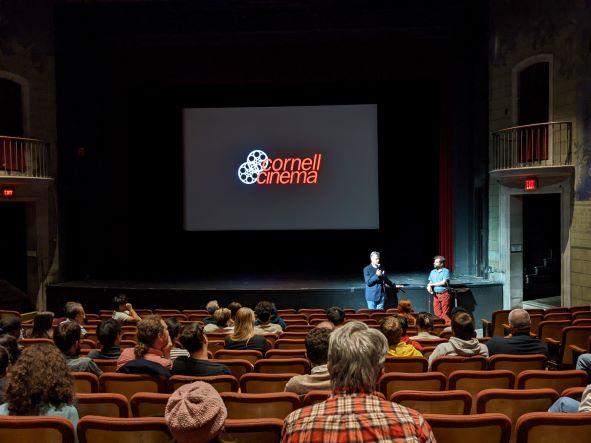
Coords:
pixel 356 417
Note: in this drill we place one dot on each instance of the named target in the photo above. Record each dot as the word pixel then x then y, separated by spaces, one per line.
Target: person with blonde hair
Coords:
pixel 222 318
pixel 244 335
pixel 392 329
pixel 354 412
pixel 154 343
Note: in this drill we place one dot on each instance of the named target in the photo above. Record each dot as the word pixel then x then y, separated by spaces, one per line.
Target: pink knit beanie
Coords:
pixel 195 413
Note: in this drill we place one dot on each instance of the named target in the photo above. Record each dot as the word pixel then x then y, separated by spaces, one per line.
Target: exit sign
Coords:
pixel 531 184
pixel 8 192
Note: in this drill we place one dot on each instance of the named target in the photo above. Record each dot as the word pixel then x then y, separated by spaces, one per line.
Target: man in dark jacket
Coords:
pixel 519 342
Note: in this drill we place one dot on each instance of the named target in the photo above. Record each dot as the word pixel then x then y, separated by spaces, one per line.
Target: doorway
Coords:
pixel 13 249
pixel 541 246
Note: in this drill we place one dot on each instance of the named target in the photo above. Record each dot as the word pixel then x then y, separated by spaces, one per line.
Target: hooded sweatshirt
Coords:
pixel 458 347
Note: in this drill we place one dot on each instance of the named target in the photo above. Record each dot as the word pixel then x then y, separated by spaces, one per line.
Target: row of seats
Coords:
pixel 388 384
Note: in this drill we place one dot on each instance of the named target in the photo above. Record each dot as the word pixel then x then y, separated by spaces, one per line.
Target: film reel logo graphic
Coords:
pixel 249 171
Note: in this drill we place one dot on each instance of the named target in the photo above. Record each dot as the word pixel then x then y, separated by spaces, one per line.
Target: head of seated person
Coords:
pixel 326 325
pixel 233 307
pixel 152 333
pixel 75 312
pixel 243 325
pixel 403 321
pixel 10 343
pixel 120 303
pixel 109 333
pixel 391 327
pixel 356 355
pixel 222 317
pixel 336 315
pixel 263 311
pixel 405 310
pixel 67 338
pixel 519 322
pixel 212 306
pixel 462 326
pixel 11 326
pixel 425 322
pixel 317 346
pixel 42 325
pixel 174 328
pixel 39 379
pixel 194 341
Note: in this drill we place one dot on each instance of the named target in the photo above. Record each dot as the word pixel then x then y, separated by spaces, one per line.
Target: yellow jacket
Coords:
pixel 403 350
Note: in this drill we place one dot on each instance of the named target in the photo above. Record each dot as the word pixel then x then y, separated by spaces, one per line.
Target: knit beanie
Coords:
pixel 195 413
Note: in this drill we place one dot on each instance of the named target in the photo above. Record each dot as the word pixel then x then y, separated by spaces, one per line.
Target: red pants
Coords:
pixel 442 305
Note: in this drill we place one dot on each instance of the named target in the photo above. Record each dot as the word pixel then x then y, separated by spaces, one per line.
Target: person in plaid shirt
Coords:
pixel 354 413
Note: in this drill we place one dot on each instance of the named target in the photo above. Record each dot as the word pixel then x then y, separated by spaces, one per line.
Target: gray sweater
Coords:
pixel 460 348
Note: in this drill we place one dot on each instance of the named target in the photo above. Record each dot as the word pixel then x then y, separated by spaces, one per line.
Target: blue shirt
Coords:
pixel 438 275
pixel 66 411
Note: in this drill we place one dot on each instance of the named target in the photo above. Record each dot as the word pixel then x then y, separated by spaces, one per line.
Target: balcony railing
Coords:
pixel 541 144
pixel 24 157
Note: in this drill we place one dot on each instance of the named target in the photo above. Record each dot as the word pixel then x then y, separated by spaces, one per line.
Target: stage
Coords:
pixel 294 291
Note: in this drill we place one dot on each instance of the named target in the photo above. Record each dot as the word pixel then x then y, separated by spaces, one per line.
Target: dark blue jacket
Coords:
pixel 375 287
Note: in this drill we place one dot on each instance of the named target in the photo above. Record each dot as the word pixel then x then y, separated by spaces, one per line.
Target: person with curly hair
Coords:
pixel 10 343
pixel 40 383
pixel 154 343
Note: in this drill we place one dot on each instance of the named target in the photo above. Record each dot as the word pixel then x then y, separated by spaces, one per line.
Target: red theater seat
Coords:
pixel 103 404
pixel 481 428
pixel 249 406
pixel 36 429
pixel 262 430
pixel 263 383
pixel 448 364
pixel 392 382
pixel 456 402
pixel 553 427
pixel 517 363
pixel 221 383
pixel 94 429
pixel 557 380
pixel 283 365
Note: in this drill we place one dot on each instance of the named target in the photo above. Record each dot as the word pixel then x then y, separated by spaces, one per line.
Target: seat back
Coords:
pixel 263 383
pixel 573 336
pixel 313 397
pixel 577 315
pixel 448 364
pixel 535 320
pixel 262 430
pixel 130 384
pixel 552 329
pixel 215 345
pixel 477 381
pixel 221 383
pixel 499 318
pixel 285 353
pixel 282 366
pixel 548 426
pixel 94 429
pixel 482 428
pixel 237 367
pixel 515 402
pixel 575 393
pixel 247 354
pixel 25 342
pixel 299 328
pixel 456 402
pixel 298 335
pixel 105 405
pixel 557 380
pixel 558 316
pixel 517 363
pixel 36 429
pixel 148 404
pixel 85 382
pixel 392 382
pixel 106 365
pixel 287 343
pixel 405 364
pixel 277 405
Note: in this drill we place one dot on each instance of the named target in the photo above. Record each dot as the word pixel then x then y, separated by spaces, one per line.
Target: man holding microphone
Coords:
pixel 376 283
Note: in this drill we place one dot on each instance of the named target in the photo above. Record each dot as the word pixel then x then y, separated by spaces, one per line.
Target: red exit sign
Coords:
pixel 8 192
pixel 531 184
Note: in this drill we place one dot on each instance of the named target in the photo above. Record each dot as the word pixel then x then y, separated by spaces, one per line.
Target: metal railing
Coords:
pixel 540 144
pixel 25 157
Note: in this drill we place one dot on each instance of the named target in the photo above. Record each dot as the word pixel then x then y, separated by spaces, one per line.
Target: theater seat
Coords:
pixel 397 381
pixel 455 402
pixel 575 393
pixel 517 363
pixel 553 427
pixel 448 364
pixel 405 364
pixel 221 383
pixel 25 342
pixel 262 383
pixel 476 381
pixel 263 430
pixel 237 367
pixel 313 397
pixel 247 354
pixel 85 382
pixel 129 384
pixel 246 406
pixel 148 404
pixel 481 428
pixel 557 380
pixel 106 365
pixel 36 429
pixel 94 429
pixel 103 404
pixel 286 353
pixel 282 366
pixel 287 343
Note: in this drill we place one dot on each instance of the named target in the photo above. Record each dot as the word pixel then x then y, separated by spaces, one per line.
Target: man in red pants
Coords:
pixel 437 286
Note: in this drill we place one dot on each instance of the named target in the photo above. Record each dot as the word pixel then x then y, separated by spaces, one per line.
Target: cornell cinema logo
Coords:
pixel 259 168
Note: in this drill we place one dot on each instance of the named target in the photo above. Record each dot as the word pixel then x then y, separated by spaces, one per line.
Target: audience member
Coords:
pixel 11 345
pixel 123 310
pixel 275 319
pixel 425 327
pixel 336 315
pixel 317 353
pixel 194 341
pixel 233 307
pixel 584 363
pixel 356 355
pixel 109 336
pixel 154 343
pixel 75 313
pixel 195 413
pixel 454 311
pixel 42 326
pixel 405 338
pixel 263 311
pixel 405 310
pixel 392 329
pixel 11 326
pixel 222 317
pixel 67 339
pixel 326 325
pixel 244 336
pixel 211 307
pixel 519 341
pixel 567 404
pixel 39 383
pixel 4 364
pixel 463 342
pixel 174 329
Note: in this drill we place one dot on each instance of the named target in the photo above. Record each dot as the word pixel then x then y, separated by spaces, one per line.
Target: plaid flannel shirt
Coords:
pixel 356 417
